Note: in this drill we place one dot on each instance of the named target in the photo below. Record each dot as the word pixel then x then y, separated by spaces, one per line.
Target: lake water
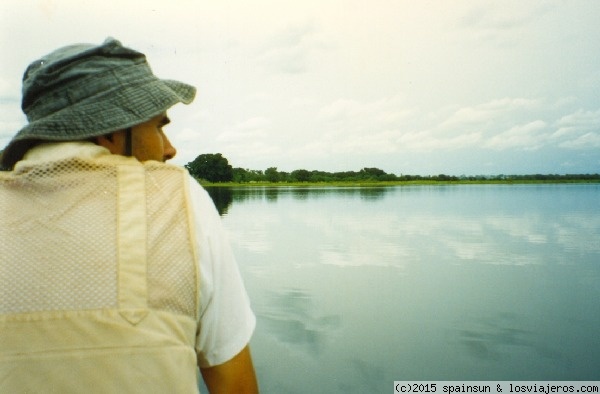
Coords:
pixel 357 287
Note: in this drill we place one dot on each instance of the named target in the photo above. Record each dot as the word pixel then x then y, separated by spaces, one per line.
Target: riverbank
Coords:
pixel 397 183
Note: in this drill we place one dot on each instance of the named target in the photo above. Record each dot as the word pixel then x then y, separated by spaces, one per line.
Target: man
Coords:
pixel 115 273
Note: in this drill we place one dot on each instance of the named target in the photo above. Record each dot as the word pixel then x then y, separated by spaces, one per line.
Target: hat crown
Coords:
pixel 54 77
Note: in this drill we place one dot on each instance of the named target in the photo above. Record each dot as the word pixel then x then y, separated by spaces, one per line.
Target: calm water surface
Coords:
pixel 355 288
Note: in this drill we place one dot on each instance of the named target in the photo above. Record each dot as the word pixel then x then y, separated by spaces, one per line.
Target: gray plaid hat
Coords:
pixel 84 91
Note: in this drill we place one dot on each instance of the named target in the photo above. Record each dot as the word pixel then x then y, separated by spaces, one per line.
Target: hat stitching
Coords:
pixel 85 87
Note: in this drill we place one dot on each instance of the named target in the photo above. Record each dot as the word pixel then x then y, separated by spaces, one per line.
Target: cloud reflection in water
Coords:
pixel 499 337
pixel 290 317
pixel 466 282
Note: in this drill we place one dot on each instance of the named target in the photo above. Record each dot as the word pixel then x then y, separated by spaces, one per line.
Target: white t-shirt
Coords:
pixel 226 320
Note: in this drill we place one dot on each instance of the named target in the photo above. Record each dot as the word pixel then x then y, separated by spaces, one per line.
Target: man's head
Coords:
pixel 147 141
pixel 97 92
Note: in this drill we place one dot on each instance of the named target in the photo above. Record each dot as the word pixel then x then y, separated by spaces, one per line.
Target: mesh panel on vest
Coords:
pixel 58 239
pixel 171 279
pixel 57 232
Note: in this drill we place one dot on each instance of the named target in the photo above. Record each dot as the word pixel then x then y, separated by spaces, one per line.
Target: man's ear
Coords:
pixel 113 142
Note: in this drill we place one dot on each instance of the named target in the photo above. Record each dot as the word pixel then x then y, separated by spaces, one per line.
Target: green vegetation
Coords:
pixel 214 169
pixel 211 167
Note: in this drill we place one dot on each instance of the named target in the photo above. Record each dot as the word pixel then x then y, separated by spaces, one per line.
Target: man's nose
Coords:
pixel 169 150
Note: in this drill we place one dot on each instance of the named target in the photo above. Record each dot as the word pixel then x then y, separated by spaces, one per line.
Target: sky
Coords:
pixel 411 87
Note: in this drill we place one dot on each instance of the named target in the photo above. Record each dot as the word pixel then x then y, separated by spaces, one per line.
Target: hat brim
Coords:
pixel 101 114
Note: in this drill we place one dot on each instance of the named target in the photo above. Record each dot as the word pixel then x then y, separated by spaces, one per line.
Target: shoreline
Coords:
pixel 397 183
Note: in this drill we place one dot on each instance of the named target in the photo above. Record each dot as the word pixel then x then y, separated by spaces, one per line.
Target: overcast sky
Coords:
pixel 411 87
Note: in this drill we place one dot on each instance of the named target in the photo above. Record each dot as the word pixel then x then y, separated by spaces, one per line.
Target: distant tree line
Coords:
pixel 215 168
pixel 272 175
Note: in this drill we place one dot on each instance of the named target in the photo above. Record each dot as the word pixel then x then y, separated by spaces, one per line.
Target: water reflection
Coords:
pixel 496 338
pixel 357 288
pixel 223 197
pixel 291 317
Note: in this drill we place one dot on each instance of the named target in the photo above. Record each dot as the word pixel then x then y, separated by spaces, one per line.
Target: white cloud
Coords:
pixel 362 127
pixel 291 50
pixel 262 152
pixel 254 123
pixel 387 126
pixel 489 112
pixel 250 130
pixel 352 114
pixel 428 142
pixel 528 136
pixel 580 120
pixel 506 16
pixel 586 141
pixel 503 24
pixel 579 130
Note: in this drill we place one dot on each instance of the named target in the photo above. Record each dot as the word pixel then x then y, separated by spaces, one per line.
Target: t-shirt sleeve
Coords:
pixel 226 319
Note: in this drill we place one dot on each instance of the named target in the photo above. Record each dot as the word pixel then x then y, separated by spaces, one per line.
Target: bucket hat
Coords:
pixel 83 91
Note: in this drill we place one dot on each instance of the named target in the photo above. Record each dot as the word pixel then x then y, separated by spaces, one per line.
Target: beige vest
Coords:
pixel 98 279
